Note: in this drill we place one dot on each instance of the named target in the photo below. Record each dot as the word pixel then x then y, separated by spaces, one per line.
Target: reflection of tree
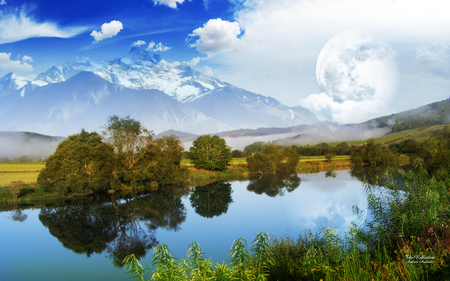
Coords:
pixel 121 226
pixel 85 229
pixel 372 174
pixel 274 185
pixel 330 174
pixel 17 215
pixel 212 199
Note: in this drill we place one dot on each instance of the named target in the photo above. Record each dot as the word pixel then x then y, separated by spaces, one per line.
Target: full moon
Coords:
pixel 354 67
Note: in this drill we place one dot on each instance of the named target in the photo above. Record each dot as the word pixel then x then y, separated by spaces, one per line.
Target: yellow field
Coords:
pixel 26 172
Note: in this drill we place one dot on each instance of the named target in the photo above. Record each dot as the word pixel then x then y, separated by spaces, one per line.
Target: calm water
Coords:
pixel 84 240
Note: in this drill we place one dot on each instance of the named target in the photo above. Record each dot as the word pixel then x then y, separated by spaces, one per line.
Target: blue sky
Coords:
pixel 265 46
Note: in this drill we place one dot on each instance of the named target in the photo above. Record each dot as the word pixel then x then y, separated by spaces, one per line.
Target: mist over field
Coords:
pixel 17 144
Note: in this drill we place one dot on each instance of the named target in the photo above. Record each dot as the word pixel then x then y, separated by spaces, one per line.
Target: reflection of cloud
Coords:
pixel 435 57
pixel 331 207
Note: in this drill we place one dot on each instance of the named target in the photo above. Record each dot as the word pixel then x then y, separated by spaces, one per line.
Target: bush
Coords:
pixel 210 153
pixel 81 163
pixel 272 160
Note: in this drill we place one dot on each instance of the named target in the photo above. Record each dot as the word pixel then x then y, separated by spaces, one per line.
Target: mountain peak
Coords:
pixel 139 53
pixel 12 81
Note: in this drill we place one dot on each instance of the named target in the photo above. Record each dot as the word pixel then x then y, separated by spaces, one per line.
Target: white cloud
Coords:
pixel 108 30
pixel 139 43
pixel 349 111
pixel 27 58
pixel 278 51
pixel 14 66
pixel 216 36
pixel 193 62
pixel 171 3
pixel 153 47
pixel 435 54
pixel 3 2
pixel 208 71
pixel 435 58
pixel 16 26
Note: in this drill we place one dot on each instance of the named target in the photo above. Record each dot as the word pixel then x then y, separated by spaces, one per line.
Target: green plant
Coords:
pixel 210 153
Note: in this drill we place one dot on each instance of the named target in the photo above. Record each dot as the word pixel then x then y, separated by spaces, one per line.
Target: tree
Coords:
pixel 237 154
pixel 210 153
pixel 140 160
pixel 129 140
pixel 81 163
pixel 272 160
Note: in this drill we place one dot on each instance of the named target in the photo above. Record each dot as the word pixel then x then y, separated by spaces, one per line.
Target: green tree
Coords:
pixel 129 139
pixel 272 160
pixel 210 153
pixel 237 154
pixel 81 163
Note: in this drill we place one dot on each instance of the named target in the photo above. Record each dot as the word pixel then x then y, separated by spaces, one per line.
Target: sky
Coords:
pixel 345 60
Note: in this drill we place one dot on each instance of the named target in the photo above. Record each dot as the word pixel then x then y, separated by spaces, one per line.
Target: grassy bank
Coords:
pixel 24 175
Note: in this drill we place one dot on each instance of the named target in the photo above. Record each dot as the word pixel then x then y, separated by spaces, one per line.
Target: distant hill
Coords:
pixel 437 113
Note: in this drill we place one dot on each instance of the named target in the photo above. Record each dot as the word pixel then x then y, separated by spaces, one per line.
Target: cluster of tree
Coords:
pixel 272 160
pixel 374 154
pixel 435 151
pixel 210 153
pixel 322 149
pixel 128 158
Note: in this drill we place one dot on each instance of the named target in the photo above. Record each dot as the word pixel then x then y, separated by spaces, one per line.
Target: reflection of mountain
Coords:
pixel 212 199
pixel 96 225
pixel 273 185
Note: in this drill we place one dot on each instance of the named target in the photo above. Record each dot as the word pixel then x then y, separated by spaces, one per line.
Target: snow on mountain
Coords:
pixel 12 81
pixel 138 71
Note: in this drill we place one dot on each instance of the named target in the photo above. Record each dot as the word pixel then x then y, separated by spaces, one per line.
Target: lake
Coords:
pixel 87 239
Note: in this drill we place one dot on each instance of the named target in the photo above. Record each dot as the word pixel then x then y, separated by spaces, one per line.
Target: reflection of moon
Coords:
pixel 354 67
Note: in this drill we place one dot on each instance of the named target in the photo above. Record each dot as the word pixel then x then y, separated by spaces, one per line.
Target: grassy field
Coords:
pixel 26 172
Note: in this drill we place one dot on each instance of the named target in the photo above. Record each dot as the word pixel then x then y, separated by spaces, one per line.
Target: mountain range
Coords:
pixel 161 95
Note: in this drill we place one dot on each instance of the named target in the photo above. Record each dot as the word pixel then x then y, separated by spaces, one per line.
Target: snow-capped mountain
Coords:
pixel 11 82
pixel 161 95
pixel 139 71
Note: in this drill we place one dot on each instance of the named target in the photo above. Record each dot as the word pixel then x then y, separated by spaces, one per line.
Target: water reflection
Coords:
pixel 330 174
pixel 273 185
pixel 121 226
pixel 18 215
pixel 212 199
